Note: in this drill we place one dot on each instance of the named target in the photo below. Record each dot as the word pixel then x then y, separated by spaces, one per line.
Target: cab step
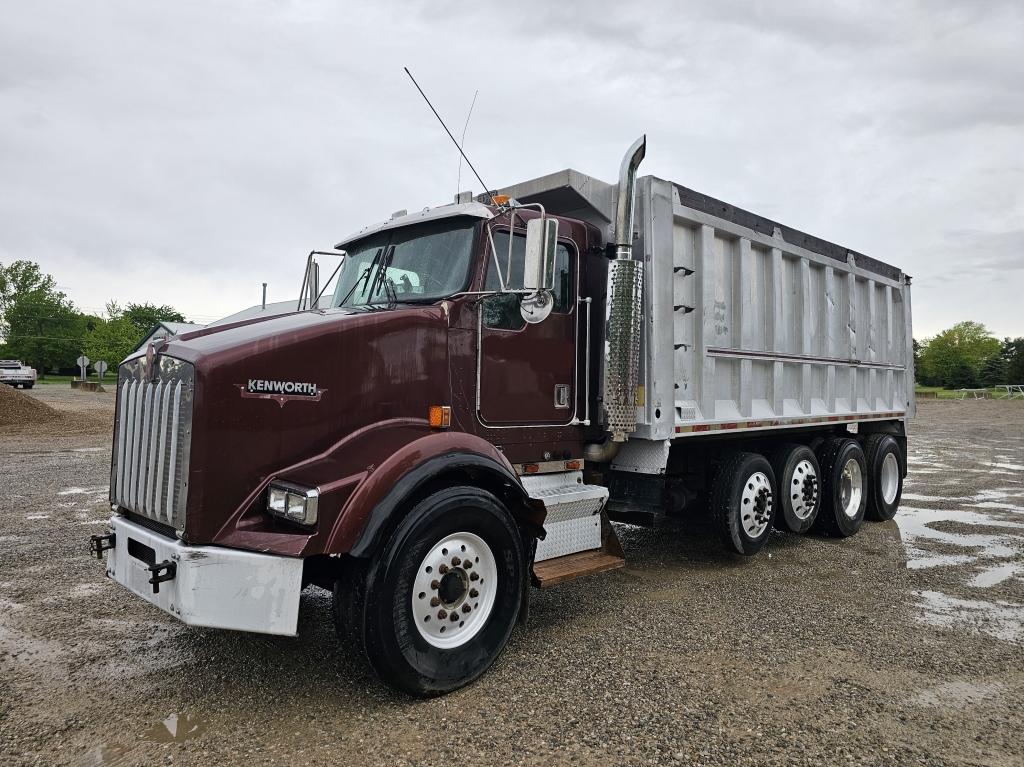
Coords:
pixel 551 572
pixel 579 538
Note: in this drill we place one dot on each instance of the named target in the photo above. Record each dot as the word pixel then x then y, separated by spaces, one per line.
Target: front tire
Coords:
pixel 885 476
pixel 743 502
pixel 844 493
pixel 442 597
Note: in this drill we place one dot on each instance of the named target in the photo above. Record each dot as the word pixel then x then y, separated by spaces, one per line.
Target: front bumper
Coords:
pixel 209 585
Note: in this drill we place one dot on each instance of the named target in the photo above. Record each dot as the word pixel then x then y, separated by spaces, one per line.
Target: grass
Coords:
pixel 941 393
pixel 66 380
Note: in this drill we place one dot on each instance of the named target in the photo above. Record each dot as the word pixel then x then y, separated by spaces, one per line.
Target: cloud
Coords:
pixel 184 154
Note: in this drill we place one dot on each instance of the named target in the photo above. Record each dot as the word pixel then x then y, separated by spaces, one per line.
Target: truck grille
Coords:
pixel 152 439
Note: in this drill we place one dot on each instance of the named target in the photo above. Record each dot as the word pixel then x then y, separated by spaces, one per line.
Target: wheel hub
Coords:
pixel 453 587
pixel 454 590
pixel 756 504
pixel 805 489
pixel 851 488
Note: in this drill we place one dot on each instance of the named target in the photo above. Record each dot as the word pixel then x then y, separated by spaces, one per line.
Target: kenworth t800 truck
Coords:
pixel 485 388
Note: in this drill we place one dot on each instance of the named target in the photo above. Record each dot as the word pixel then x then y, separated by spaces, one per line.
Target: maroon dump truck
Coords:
pixel 487 386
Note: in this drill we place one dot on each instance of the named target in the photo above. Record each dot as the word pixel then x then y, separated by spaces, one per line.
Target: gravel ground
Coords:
pixel 902 645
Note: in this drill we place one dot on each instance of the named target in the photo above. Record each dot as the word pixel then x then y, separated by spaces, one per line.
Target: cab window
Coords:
pixel 502 311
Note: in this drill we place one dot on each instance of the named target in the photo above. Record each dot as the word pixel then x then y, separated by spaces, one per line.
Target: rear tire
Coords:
pixel 743 495
pixel 844 493
pixel 798 477
pixel 885 476
pixel 432 622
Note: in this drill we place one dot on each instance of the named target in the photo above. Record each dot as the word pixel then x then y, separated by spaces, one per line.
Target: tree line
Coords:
pixel 41 326
pixel 968 356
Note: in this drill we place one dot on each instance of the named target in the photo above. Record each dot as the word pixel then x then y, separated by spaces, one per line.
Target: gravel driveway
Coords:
pixel 902 645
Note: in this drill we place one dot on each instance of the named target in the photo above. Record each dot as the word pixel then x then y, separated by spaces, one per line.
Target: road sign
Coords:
pixel 100 367
pixel 83 363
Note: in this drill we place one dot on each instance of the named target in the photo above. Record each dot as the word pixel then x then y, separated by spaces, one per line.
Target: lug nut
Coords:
pixel 454 617
pixel 474 577
pixel 435 602
pixel 474 593
pixel 467 564
pixel 443 569
pixel 435 584
pixel 456 561
pixel 442 614
pixel 466 608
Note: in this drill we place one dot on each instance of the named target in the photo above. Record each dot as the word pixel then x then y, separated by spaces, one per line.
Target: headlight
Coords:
pixel 293 502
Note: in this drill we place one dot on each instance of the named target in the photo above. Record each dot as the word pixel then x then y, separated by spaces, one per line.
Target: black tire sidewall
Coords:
pixel 784 466
pixel 396 649
pixel 726 498
pixel 831 519
pixel 876 450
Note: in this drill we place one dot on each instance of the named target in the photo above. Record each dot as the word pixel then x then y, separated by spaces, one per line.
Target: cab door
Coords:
pixel 528 372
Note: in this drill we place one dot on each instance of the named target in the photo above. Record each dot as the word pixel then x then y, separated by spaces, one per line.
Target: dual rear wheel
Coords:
pixel 830 490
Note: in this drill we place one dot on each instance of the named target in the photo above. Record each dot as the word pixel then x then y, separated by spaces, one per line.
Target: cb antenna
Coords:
pixel 462 142
pixel 487 189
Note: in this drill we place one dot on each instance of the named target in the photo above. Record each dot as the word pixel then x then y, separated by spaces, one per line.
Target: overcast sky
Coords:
pixel 185 152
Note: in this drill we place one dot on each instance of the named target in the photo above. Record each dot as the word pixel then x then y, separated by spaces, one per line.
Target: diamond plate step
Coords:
pixel 573 522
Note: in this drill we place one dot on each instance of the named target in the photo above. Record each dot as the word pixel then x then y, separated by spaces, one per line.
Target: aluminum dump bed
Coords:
pixel 749 324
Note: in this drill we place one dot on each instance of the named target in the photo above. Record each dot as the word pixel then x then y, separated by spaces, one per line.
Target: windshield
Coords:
pixel 410 265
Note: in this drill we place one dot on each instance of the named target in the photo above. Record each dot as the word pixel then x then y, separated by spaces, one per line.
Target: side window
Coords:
pixel 502 311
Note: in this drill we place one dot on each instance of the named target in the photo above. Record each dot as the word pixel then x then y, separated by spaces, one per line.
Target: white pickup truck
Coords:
pixel 17 373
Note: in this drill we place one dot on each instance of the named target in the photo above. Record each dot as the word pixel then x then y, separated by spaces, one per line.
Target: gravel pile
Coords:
pixel 17 408
pixel 53 411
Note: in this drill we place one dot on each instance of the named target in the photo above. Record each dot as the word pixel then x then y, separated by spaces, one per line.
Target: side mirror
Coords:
pixel 541 243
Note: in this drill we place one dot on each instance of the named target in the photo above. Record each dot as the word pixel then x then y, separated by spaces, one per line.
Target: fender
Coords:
pixel 369 512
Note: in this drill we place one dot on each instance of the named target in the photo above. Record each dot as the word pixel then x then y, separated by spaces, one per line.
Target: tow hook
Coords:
pixel 100 543
pixel 162 572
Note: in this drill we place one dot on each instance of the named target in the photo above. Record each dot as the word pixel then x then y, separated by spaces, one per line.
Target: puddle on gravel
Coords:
pixel 176 728
pixel 993 576
pixel 917 532
pixel 1003 620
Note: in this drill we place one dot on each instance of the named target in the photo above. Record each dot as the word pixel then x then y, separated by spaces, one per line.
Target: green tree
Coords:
pixel 113 339
pixel 145 316
pixel 20 278
pixel 957 354
pixel 43 328
pixel 1013 353
pixel 993 371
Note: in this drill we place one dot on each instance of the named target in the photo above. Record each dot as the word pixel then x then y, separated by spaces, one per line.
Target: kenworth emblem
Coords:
pixel 280 391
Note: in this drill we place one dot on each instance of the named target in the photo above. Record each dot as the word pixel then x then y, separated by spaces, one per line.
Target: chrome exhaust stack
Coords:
pixel 624 308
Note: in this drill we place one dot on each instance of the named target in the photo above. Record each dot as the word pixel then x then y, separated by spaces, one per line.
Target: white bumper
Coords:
pixel 212 586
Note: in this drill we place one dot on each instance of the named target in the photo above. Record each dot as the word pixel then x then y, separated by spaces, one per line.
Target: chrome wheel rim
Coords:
pixel 756 504
pixel 889 478
pixel 804 490
pixel 851 488
pixel 454 589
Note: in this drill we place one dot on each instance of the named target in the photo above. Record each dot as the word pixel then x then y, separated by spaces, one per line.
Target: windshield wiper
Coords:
pixel 365 277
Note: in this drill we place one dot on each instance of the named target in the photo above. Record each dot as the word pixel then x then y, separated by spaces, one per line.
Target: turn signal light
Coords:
pixel 440 416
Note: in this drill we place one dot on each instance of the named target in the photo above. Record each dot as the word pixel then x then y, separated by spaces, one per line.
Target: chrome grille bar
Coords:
pixel 149 472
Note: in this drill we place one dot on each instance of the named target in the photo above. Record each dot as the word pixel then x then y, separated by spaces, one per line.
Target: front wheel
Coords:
pixel 443 596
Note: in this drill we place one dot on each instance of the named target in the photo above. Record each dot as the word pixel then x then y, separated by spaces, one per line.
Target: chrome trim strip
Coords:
pixel 802 358
pixel 158 488
pixel 172 472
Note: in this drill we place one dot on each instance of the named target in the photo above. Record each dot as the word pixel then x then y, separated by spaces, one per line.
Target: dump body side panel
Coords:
pixel 747 330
